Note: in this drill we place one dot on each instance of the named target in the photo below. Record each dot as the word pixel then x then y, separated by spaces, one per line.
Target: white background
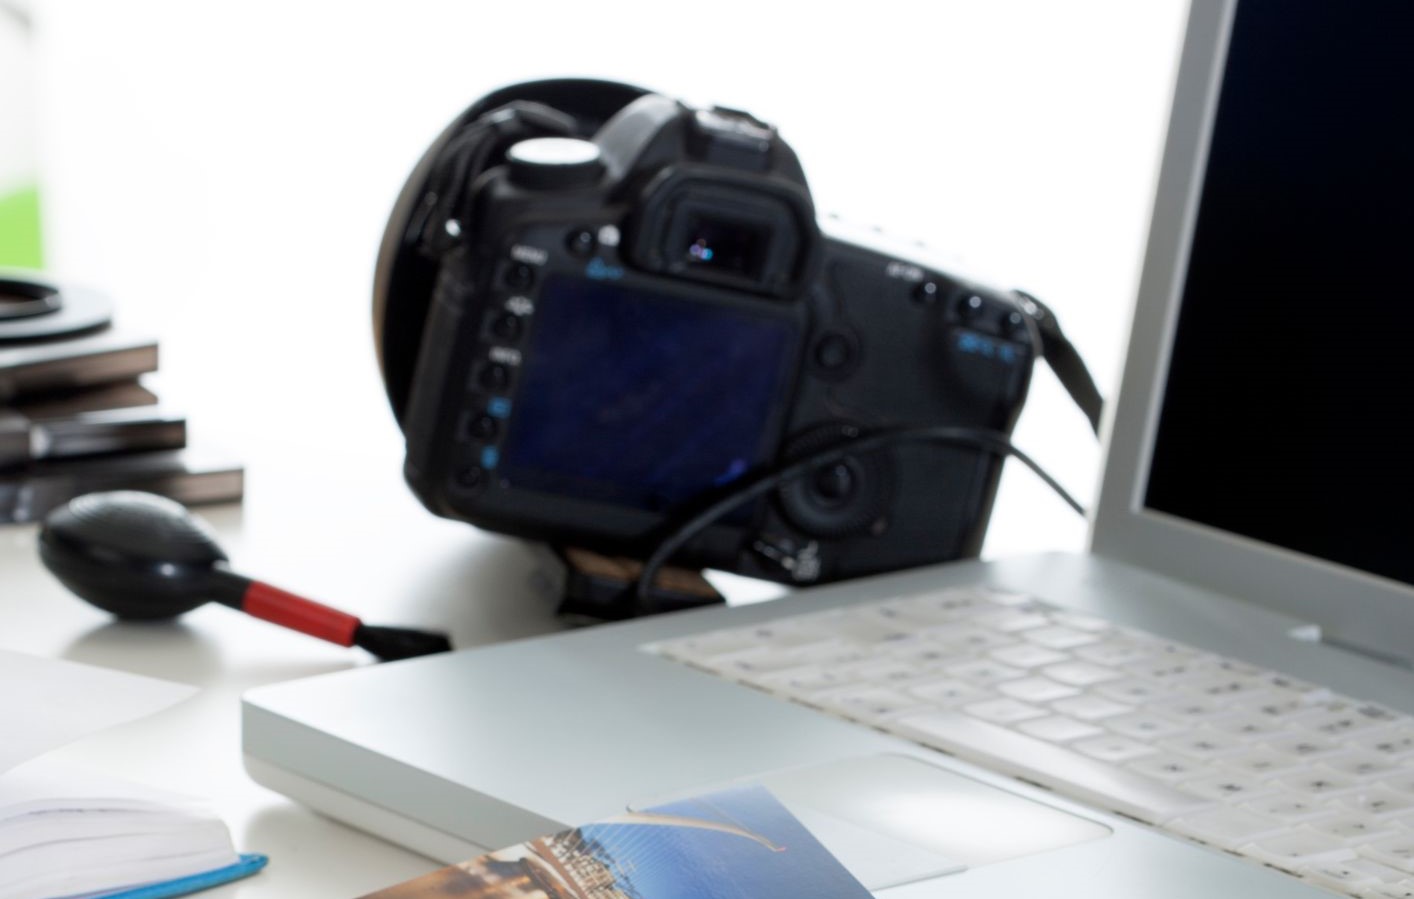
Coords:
pixel 225 169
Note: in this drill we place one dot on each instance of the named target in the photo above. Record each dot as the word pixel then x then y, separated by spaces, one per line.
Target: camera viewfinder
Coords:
pixel 723 245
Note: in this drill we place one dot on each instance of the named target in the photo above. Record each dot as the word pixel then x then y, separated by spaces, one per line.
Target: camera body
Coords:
pixel 624 325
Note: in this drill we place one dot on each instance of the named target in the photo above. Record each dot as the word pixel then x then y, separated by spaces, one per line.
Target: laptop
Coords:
pixel 1215 700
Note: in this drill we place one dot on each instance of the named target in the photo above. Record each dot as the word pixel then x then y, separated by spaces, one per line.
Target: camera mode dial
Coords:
pixel 554 163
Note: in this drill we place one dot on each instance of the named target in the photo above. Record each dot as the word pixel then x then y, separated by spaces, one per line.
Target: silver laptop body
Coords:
pixel 478 749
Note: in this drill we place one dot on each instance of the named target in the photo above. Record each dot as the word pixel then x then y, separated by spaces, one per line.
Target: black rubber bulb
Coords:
pixel 145 557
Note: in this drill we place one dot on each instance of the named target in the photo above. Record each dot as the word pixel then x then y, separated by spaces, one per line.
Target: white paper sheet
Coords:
pixel 45 703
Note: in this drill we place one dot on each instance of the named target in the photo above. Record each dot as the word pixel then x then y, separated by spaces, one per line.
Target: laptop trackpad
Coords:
pixel 894 819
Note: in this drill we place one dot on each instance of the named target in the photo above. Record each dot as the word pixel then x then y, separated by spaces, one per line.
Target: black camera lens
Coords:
pixel 725 246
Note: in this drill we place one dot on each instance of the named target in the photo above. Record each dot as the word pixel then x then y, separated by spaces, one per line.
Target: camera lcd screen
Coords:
pixel 643 400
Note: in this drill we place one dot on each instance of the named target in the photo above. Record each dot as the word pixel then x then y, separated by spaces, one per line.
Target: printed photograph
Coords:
pixel 734 844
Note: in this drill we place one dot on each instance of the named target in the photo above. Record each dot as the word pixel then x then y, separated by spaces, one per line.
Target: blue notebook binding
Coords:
pixel 248 865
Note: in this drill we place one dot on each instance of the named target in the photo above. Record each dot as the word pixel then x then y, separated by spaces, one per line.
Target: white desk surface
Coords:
pixel 395 565
pixel 227 177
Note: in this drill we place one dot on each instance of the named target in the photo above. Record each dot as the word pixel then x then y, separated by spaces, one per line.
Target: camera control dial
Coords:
pixel 554 163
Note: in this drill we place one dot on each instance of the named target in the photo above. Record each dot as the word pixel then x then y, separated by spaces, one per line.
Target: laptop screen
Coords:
pixel 1287 410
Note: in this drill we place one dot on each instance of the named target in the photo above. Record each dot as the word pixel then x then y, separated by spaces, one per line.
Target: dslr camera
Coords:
pixel 598 309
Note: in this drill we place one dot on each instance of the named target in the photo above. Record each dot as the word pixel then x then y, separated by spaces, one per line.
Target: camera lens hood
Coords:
pixel 406 272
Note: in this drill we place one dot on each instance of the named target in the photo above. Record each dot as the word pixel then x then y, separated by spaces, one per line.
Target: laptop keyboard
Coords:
pixel 1207 748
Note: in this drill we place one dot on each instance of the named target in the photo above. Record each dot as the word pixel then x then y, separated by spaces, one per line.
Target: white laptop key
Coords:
pixel 1057 637
pixel 867 703
pixel 1080 674
pixel 1341 876
pixel 1226 789
pixel 1058 729
pixel 1396 851
pixel 1143 726
pixel 1114 652
pixel 1401 890
pixel 801 681
pixel 1187 707
pixel 1391 744
pixel 1291 808
pixel 1165 669
pixel 1340 722
pixel 1366 766
pixel 1246 726
pixel 1036 689
pixel 1402 780
pixel 1297 849
pixel 1230 688
pixel 1091 708
pixel 1027 655
pixel 1023 756
pixel 1203 743
pixel 1318 783
pixel 1227 828
pixel 1355 831
pixel 1263 762
pixel 1082 622
pixel 961 638
pixel 982 672
pixel 1168 767
pixel 948 691
pixel 1003 711
pixel 1307 747
pixel 1135 692
pixel 1113 748
pixel 1010 621
pixel 1379 802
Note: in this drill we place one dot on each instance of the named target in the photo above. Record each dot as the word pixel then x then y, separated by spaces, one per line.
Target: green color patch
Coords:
pixel 19 229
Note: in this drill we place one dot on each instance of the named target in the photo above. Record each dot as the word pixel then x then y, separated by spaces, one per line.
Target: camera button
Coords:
pixel 1014 325
pixel 970 306
pixel 581 242
pixel 498 407
pixel 554 163
pixel 494 377
pixel 507 326
pixel 484 427
pixel 927 293
pixel 490 457
pixel 833 352
pixel 471 479
pixel 520 276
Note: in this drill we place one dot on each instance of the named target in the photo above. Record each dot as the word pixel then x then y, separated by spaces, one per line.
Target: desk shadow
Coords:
pixel 164 649
pixel 170 650
pixel 291 830
pixel 485 592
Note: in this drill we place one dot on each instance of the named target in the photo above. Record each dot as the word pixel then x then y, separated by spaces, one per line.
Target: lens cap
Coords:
pixel 34 309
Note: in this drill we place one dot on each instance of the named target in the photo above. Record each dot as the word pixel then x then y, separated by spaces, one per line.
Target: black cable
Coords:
pixel 978 438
